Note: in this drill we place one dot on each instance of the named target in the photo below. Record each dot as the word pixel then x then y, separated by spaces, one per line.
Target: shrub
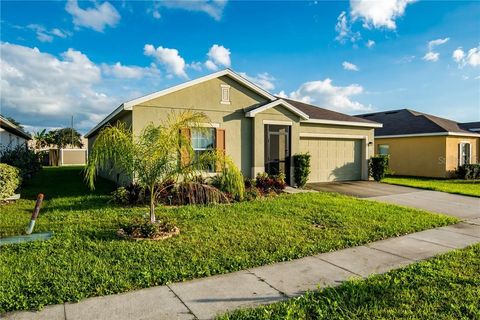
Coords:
pixel 10 180
pixel 133 194
pixel 252 193
pixel 198 193
pixel 301 169
pixel 141 228
pixel 24 159
pixel 230 180
pixel 469 171
pixel 378 166
pixel 270 183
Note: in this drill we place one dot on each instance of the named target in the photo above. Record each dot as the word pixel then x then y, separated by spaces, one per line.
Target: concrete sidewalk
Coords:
pixel 205 298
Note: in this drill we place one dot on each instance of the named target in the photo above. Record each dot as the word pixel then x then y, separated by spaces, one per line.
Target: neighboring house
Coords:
pixel 12 135
pixel 424 145
pixel 471 126
pixel 257 129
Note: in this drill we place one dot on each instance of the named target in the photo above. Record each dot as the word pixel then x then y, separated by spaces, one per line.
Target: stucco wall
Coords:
pixel 206 97
pixel 452 151
pixel 113 175
pixel 417 156
pixel 73 157
pixel 10 140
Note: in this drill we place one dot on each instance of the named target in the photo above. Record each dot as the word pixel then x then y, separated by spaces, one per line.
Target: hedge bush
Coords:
pixel 378 166
pixel 301 169
pixel 469 171
pixel 22 158
pixel 10 180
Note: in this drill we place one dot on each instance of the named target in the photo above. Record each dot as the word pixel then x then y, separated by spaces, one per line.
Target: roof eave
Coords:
pixel 107 118
pixel 460 134
pixel 344 123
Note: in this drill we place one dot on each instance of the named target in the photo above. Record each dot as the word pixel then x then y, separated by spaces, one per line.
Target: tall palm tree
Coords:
pixel 152 158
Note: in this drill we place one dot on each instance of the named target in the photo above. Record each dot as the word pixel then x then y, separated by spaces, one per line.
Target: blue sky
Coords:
pixel 60 59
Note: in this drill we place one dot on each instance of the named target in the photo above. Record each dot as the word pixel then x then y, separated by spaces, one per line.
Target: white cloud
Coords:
pixel 218 56
pixel 370 44
pixel 471 58
pixel 214 8
pixel 349 66
pixel 195 65
pixel 324 94
pixel 170 58
pixel 432 44
pixel 458 55
pixel 211 66
pixel 263 80
pixel 431 56
pixel 378 14
pixel 343 29
pixel 45 35
pixel 118 70
pixel 96 18
pixel 37 85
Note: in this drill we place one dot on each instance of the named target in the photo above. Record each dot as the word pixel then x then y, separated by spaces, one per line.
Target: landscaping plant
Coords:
pixel 10 180
pixel 152 157
pixel 378 166
pixel 22 158
pixel 270 183
pixel 230 180
pixel 301 168
pixel 469 171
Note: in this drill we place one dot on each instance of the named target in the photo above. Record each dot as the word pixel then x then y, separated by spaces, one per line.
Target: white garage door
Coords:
pixel 333 159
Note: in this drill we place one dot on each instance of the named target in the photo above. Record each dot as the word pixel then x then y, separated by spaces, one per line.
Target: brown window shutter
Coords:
pixel 219 146
pixel 184 154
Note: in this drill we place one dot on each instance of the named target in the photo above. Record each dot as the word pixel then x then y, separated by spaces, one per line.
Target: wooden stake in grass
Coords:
pixel 35 213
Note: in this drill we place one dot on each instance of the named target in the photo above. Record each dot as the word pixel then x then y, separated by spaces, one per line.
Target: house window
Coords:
pixel 384 149
pixel 225 89
pixel 203 140
pixel 463 153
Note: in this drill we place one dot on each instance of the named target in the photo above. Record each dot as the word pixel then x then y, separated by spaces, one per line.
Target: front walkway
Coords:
pixel 463 207
pixel 207 297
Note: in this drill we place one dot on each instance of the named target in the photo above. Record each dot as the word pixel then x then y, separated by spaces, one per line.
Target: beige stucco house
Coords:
pixel 257 129
pixel 424 145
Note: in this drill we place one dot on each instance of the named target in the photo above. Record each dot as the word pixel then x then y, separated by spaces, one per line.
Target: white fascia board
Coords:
pixel 460 134
pixel 226 72
pixel 108 118
pixel 275 103
pixel 344 123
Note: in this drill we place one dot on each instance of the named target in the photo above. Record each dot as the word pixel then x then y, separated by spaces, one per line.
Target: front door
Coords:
pixel 277 150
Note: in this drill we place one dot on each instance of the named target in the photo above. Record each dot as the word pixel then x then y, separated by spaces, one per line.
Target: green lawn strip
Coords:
pixel 85 258
pixel 445 287
pixel 464 187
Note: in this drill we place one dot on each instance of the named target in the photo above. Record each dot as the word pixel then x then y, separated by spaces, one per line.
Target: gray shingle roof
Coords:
pixel 318 113
pixel 405 121
pixel 472 126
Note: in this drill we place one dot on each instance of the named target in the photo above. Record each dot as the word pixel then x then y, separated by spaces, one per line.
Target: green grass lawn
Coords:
pixel 85 257
pixel 465 187
pixel 445 287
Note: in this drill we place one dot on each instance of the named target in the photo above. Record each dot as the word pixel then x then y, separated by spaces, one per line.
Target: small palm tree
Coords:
pixel 41 139
pixel 153 157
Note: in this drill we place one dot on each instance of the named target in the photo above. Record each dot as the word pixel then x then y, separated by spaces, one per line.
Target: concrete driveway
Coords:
pixel 462 207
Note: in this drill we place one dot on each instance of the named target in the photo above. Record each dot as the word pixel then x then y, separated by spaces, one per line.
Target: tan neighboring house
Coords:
pixel 257 129
pixel 12 135
pixel 424 145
